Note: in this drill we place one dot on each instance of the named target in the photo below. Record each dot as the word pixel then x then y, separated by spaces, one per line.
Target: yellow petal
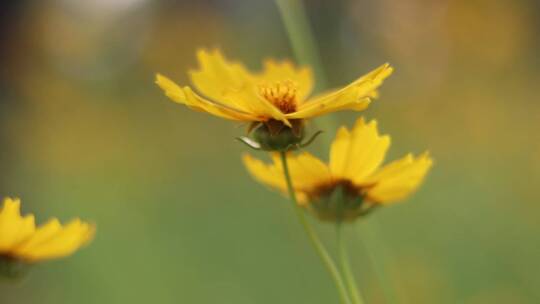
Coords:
pixel 230 84
pixel 258 106
pixel 217 76
pixel 339 151
pixel 54 241
pixel 357 154
pixel 306 172
pixel 356 96
pixel 267 174
pixel 398 179
pixel 41 235
pixel 302 77
pixel 187 97
pixel 13 228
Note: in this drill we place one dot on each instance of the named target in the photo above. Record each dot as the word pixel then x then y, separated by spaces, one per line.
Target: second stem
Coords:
pixel 315 241
pixel 343 258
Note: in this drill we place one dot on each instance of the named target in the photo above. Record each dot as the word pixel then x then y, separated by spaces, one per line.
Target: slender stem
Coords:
pixel 294 17
pixel 343 257
pixel 315 241
pixel 305 49
pixel 296 23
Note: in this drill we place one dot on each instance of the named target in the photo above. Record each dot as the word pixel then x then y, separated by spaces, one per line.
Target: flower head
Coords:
pixel 353 182
pixel 22 241
pixel 274 99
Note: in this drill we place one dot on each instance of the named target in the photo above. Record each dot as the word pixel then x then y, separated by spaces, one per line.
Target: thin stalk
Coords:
pixel 313 237
pixel 343 257
pixel 294 17
pixel 296 23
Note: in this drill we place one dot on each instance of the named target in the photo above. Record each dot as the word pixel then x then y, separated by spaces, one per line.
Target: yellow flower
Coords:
pixel 352 183
pixel 277 96
pixel 21 241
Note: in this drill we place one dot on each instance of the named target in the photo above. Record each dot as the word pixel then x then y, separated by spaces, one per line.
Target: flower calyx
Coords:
pixel 339 201
pixel 273 135
pixel 12 268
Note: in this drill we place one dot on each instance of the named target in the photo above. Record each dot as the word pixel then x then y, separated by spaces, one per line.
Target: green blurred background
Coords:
pixel 85 132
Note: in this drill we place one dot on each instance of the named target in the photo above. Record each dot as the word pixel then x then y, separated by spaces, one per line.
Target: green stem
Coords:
pixel 294 17
pixel 315 241
pixel 343 257
pixel 298 29
pixel 306 52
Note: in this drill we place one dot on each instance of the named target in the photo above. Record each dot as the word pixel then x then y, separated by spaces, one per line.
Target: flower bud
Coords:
pixel 275 136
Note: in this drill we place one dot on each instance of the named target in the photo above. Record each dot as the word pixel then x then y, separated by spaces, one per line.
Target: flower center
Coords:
pixel 282 94
pixel 339 200
pixel 348 188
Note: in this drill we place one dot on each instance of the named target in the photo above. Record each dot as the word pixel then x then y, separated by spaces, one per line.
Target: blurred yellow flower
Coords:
pixel 277 94
pixel 352 182
pixel 20 240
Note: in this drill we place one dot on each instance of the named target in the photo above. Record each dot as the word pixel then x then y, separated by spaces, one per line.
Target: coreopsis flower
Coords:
pixel 275 101
pixel 22 242
pixel 353 182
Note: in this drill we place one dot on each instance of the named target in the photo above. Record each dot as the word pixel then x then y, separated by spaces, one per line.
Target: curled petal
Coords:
pixel 356 96
pixel 187 97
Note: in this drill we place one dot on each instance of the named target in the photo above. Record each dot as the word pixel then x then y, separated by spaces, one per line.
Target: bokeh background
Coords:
pixel 85 132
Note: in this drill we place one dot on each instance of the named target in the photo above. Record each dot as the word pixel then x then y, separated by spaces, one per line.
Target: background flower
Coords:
pixel 354 169
pixel 22 241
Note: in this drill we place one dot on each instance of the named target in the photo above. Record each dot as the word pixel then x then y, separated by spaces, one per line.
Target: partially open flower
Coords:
pixel 22 243
pixel 352 183
pixel 274 101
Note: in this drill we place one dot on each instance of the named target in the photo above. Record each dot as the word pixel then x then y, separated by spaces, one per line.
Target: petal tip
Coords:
pixel 158 78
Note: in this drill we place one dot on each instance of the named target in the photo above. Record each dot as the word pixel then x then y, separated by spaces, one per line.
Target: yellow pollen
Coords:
pixel 282 94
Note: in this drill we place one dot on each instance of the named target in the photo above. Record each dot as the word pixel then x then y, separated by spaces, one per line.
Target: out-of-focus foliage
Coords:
pixel 85 132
